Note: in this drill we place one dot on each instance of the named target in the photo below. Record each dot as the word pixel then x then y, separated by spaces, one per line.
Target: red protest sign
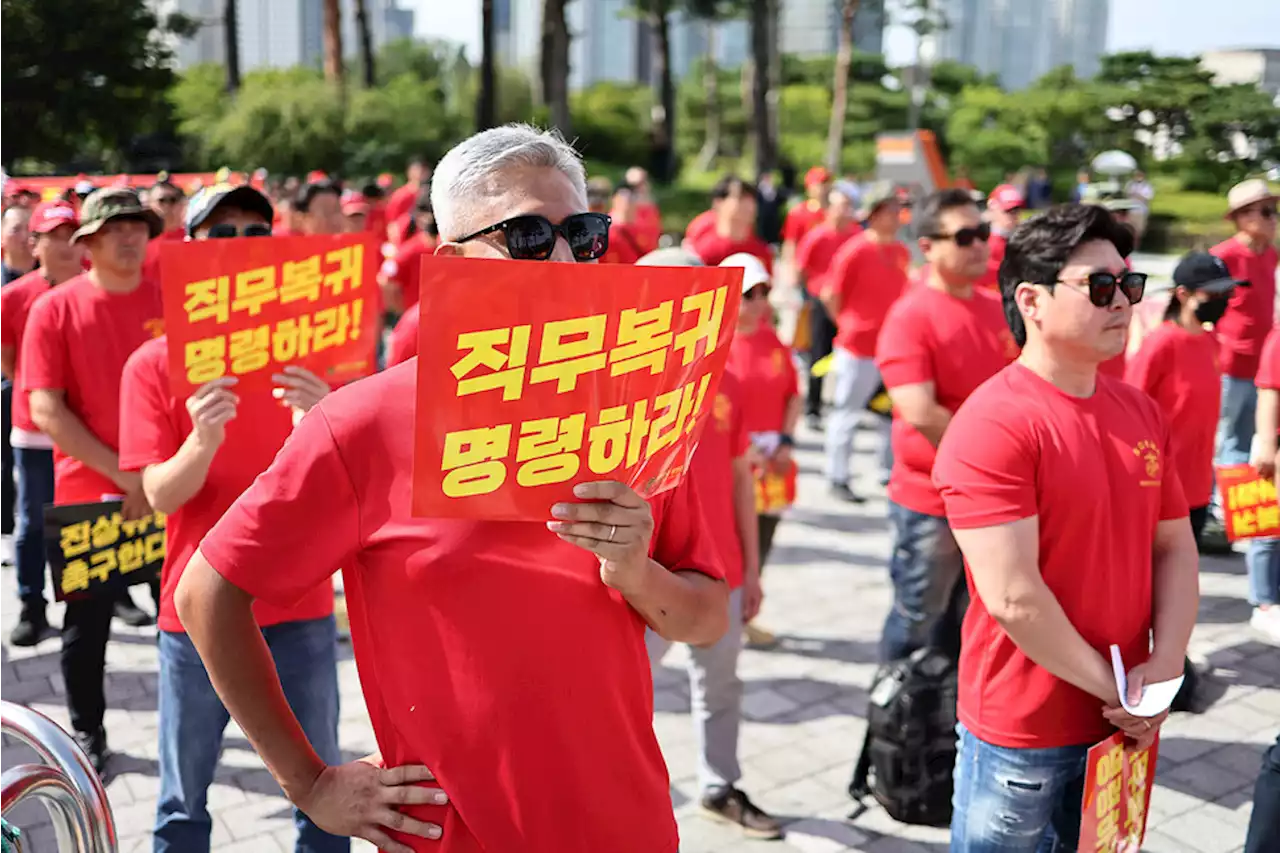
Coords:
pixel 1117 794
pixel 1250 508
pixel 533 377
pixel 246 307
pixel 775 487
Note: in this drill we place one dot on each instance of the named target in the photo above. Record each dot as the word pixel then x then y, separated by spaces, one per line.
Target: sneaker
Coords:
pixel 1213 538
pixel 757 636
pixel 733 806
pixel 841 491
pixel 1267 620
pixel 95 748
pixel 131 614
pixel 814 421
pixel 32 624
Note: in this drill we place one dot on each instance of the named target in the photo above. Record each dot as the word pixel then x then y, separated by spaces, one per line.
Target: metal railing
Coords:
pixel 65 781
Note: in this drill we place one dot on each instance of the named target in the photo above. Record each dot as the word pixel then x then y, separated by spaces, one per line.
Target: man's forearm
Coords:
pixel 8 362
pixel 171 483
pixel 744 512
pixel 933 423
pixel 1175 599
pixel 218 617
pixel 682 606
pixel 791 418
pixel 1267 421
pixel 74 439
pixel 1040 628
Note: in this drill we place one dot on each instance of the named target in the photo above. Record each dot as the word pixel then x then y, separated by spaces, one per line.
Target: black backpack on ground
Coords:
pixel 909 752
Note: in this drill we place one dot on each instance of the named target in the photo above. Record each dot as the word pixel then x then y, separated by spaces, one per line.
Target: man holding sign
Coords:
pixel 196 455
pixel 77 339
pixel 1059 487
pixel 505 659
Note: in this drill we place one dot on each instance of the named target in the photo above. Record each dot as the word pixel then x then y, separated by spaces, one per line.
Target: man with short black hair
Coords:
pixel 318 208
pixel 734 227
pixel 939 342
pixel 1060 490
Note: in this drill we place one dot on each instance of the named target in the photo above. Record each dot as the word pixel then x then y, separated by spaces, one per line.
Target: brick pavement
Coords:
pixel 827 594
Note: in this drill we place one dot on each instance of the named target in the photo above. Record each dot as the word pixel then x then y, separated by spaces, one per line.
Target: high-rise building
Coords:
pixel 812 27
pixel 1021 40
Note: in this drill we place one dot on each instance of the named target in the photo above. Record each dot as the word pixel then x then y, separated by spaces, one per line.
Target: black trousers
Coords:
pixel 766 525
pixel 86 627
pixel 1264 825
pixel 9 499
pixel 822 337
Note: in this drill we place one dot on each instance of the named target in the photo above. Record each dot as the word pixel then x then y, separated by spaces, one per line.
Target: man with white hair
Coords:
pixel 508 658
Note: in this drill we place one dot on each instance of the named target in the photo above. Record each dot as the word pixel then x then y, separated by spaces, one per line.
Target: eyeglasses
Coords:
pixel 533 237
pixel 760 291
pixel 1102 287
pixel 1267 211
pixel 224 230
pixel 965 237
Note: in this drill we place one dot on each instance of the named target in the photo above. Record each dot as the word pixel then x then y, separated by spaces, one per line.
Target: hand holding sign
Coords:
pixel 211 406
pixel 616 526
pixel 299 389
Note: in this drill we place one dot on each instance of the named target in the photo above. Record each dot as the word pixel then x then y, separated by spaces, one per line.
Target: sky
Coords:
pixel 1181 26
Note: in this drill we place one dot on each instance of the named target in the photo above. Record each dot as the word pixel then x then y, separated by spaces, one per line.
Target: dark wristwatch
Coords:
pixel 786 440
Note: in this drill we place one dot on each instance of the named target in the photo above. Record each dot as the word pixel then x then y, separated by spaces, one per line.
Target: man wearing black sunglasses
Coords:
pixel 508 658
pixel 1060 488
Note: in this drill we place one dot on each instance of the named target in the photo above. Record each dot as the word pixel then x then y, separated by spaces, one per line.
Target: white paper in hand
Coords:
pixel 1156 698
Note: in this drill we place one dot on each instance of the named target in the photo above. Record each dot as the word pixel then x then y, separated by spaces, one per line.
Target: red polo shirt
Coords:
pixel 869 277
pixel 489 651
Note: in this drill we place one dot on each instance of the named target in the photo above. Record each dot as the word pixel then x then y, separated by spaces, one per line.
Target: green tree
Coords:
pixel 81 78
pixel 710 14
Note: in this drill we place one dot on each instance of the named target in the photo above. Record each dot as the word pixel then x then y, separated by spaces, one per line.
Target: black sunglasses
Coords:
pixel 965 236
pixel 224 230
pixel 1102 287
pixel 533 237
pixel 1267 212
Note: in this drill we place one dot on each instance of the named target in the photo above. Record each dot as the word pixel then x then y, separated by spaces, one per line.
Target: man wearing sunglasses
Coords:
pixel 506 658
pixel 939 342
pixel 1062 492
pixel 195 456
pixel 74 348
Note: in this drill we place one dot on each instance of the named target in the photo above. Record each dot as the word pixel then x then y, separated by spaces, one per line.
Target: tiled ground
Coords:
pixel 827 594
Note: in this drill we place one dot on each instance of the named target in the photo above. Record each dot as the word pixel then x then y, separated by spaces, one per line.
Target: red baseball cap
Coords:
pixel 1006 197
pixel 48 215
pixel 316 176
pixel 354 203
pixel 385 180
pixel 816 175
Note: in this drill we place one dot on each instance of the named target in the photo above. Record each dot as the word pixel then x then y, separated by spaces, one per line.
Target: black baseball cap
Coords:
pixel 1203 271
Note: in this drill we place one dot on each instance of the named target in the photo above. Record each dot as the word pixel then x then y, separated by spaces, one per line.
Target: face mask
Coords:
pixel 1211 310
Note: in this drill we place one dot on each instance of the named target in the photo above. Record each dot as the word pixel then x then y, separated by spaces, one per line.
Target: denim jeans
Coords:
pixel 1235 423
pixel 1016 800
pixel 929 593
pixel 8 499
pixel 1263 562
pixel 856 381
pixel 35 489
pixel 192 720
pixel 1264 823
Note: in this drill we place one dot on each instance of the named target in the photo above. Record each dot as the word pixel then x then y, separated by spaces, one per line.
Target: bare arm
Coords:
pixel 744 514
pixel 682 606
pixel 1266 421
pixel 49 412
pixel 918 405
pixel 1175 563
pixel 219 620
pixel 171 483
pixel 830 299
pixel 1004 561
pixel 8 360
pixel 791 417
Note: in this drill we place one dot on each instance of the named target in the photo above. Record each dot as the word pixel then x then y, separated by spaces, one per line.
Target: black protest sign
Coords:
pixel 91 548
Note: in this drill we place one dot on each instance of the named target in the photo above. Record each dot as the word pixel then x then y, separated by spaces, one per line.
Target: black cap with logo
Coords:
pixel 1203 271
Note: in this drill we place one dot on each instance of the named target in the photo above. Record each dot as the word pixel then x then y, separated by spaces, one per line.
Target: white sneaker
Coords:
pixel 1267 620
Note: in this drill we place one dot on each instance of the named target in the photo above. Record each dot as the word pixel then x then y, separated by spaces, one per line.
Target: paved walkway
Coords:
pixel 826 598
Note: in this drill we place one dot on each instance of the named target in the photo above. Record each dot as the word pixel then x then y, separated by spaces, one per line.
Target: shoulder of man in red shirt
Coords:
pixel 16 299
pixel 145 383
pixel 1268 375
pixel 700 224
pixel 404 337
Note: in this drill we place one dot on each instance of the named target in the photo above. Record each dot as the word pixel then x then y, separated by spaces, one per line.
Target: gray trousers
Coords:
pixel 856 381
pixel 715 693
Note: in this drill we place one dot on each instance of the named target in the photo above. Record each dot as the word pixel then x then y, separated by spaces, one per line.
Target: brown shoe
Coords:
pixel 758 637
pixel 733 806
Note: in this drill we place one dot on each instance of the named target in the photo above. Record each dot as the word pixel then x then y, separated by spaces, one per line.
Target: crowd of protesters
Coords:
pixel 1048 476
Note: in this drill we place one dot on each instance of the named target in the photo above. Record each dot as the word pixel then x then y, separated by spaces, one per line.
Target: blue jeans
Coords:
pixel 1235 422
pixel 1016 800
pixel 192 720
pixel 1263 561
pixel 35 489
pixel 1264 824
pixel 929 594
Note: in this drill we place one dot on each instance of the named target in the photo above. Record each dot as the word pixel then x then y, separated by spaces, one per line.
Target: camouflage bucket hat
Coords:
pixel 114 203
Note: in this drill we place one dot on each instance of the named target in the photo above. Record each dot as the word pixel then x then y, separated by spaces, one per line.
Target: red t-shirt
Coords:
pixel 405 268
pixel 152 428
pixel 151 263
pixel 712 248
pixel 401 202
pixel 996 245
pixel 723 440
pixel 817 249
pixel 761 362
pixel 489 651
pixel 700 225
pixel 1114 366
pixel 404 337
pixel 1251 312
pixel 16 299
pixel 1097 474
pixel 624 246
pixel 375 222
pixel 77 340
pixel 957 344
pixel 1179 370
pixel 869 277
pixel 1269 365
pixel 647 227
pixel 801 219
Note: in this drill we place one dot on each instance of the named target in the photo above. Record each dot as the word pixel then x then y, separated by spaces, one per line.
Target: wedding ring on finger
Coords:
pixel 613 532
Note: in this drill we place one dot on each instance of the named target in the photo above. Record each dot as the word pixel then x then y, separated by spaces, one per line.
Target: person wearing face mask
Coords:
pixel 1178 367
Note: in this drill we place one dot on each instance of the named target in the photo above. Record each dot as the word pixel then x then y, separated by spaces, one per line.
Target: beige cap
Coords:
pixel 1248 192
